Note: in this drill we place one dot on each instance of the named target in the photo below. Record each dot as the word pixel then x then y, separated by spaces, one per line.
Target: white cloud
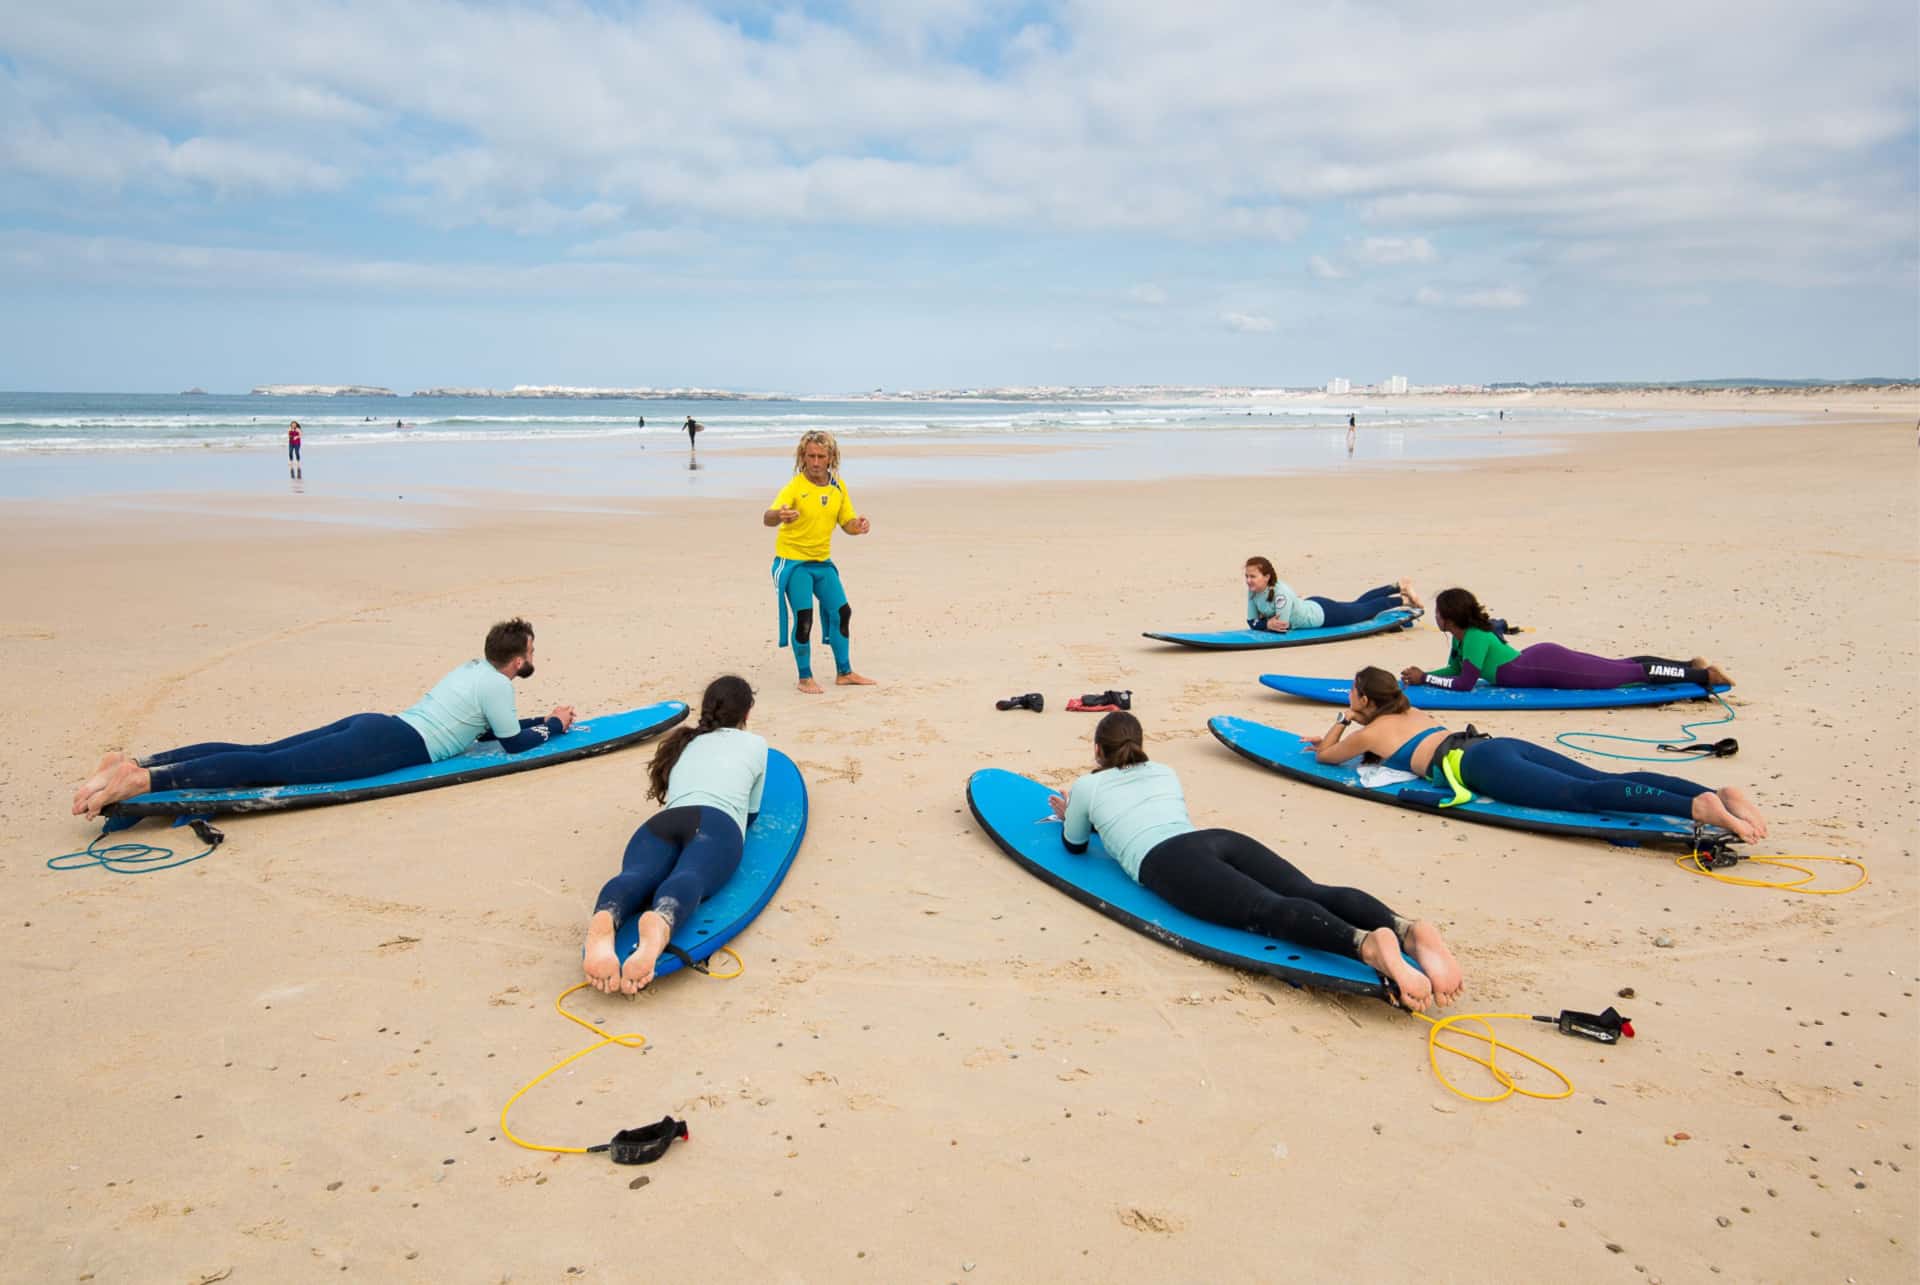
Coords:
pixel 1389 250
pixel 1785 156
pixel 1325 269
pixel 641 243
pixel 1247 323
pixel 1499 298
pixel 44 137
pixel 139 263
pixel 1494 298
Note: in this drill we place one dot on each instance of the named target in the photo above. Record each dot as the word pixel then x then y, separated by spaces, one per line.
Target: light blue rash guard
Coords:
pixel 726 769
pixel 1131 808
pixel 474 698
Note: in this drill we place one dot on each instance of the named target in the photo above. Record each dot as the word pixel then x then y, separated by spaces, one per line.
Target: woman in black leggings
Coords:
pixel 1224 877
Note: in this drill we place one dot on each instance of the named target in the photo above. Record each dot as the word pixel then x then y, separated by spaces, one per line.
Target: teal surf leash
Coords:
pixel 137 858
pixel 1725 747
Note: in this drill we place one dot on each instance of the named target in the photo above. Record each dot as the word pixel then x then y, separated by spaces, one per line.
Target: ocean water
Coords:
pixel 457 450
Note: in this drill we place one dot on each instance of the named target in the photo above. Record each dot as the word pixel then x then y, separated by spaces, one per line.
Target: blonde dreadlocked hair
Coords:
pixel 818 437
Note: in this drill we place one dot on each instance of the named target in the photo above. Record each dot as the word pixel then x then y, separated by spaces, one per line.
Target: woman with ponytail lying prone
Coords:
pixel 1224 877
pixel 710 777
pixel 1479 652
pixel 1379 721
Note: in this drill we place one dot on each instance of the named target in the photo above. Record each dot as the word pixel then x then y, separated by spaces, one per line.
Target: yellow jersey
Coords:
pixel 809 537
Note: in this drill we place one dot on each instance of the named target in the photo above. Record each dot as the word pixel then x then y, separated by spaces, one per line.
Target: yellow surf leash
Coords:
pixel 1709 863
pixel 1508 1085
pixel 1709 859
pixel 630 1040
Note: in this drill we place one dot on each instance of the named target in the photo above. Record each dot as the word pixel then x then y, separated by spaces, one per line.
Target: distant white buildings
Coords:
pixel 1396 386
pixel 1339 386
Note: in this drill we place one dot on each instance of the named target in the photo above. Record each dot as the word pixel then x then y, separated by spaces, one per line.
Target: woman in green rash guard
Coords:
pixel 1480 652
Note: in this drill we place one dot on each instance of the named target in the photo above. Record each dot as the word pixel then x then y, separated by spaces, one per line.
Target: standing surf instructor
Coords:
pixel 806 511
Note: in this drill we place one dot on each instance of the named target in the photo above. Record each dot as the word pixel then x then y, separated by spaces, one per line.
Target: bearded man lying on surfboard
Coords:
pixel 472 701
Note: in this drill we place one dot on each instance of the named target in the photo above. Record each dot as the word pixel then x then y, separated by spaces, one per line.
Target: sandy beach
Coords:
pixel 287 1061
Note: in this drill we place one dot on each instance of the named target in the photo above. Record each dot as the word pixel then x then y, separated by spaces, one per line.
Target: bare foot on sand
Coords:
pixel 1716 676
pixel 1413 599
pixel 101 771
pixel 1709 810
pixel 1381 950
pixel 123 782
pixel 1436 961
pixel 853 680
pixel 810 687
pixel 601 961
pixel 1741 804
pixel 638 970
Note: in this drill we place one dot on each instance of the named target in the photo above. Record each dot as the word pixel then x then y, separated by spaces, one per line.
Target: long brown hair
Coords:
pixel 1266 569
pixel 1381 690
pixel 1458 607
pixel 725 704
pixel 1119 741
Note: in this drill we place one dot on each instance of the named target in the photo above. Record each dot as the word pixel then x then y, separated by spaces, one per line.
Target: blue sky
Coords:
pixel 929 193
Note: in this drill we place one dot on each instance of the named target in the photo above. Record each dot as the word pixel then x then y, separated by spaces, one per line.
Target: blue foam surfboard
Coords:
pixel 1013 810
pixel 1333 691
pixel 1252 639
pixel 773 839
pixel 587 737
pixel 1290 755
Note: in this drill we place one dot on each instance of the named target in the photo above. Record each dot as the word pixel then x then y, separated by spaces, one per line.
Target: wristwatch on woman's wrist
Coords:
pixel 1341 718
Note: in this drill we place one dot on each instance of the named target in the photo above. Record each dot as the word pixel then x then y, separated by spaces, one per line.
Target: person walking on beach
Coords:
pixel 806 511
pixel 1352 428
pixel 293 448
pixel 693 426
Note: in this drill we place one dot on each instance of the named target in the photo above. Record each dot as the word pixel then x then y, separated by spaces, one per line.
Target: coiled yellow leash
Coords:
pixel 1703 863
pixel 1508 1086
pixel 630 1040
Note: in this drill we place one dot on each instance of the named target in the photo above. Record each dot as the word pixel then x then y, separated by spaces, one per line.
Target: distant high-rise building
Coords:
pixel 1339 386
pixel 1395 385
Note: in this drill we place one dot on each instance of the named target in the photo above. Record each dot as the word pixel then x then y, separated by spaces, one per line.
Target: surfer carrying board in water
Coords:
pixel 693 426
pixel 1378 720
pixel 806 511
pixel 1140 813
pixel 472 701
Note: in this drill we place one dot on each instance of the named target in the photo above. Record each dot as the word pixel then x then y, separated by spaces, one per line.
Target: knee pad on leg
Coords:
pixel 803 626
pixel 846 614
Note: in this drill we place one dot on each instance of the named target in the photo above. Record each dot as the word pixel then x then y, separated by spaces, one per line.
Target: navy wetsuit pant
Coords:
pixel 1533 776
pixel 677 860
pixel 1365 607
pixel 356 746
pixel 1224 877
